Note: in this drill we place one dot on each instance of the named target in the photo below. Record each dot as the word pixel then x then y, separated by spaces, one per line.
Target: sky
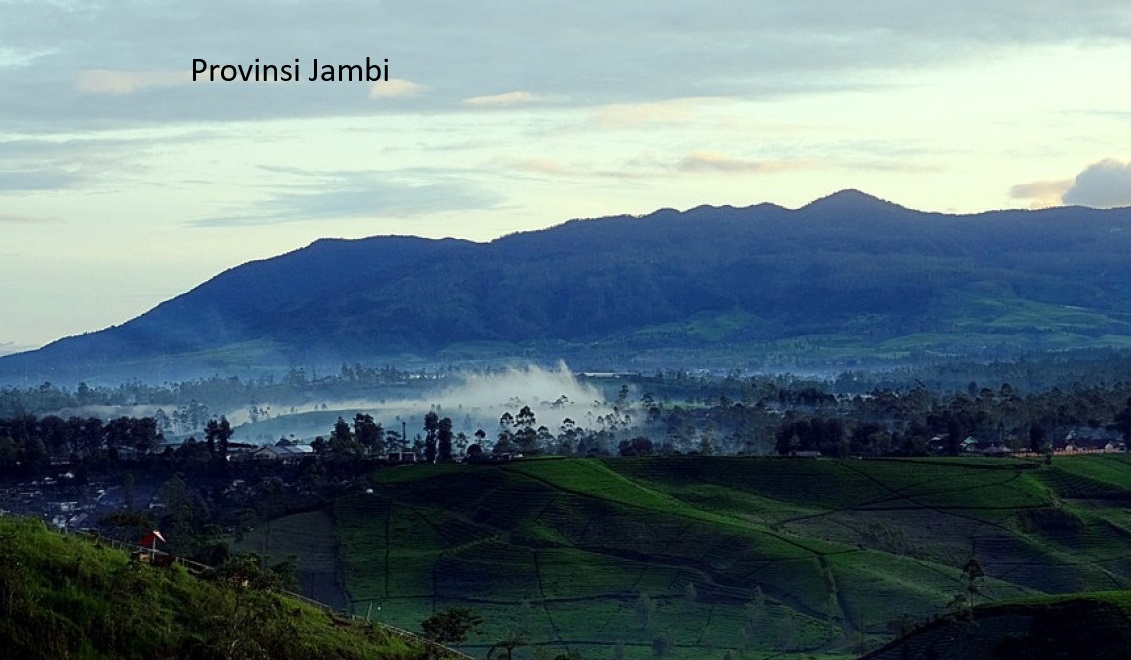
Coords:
pixel 124 182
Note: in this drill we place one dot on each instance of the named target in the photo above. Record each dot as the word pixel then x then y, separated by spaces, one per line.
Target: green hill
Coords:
pixel 1092 625
pixel 770 556
pixel 71 597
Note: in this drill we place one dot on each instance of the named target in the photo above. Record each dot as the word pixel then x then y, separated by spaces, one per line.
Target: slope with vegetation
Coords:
pixel 696 557
pixel 1089 625
pixel 844 279
pixel 71 597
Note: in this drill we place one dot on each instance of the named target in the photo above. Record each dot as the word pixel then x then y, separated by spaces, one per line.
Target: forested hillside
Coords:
pixel 845 280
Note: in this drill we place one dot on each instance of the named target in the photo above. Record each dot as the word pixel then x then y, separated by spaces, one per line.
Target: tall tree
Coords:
pixel 444 439
pixel 342 442
pixel 217 433
pixel 369 434
pixel 526 434
pixel 431 428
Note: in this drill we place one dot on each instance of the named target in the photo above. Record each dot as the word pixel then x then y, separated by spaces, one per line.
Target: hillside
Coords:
pixel 845 279
pixel 1092 625
pixel 70 597
pixel 794 556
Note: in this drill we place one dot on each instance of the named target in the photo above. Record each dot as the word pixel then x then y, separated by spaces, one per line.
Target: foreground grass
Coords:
pixel 67 597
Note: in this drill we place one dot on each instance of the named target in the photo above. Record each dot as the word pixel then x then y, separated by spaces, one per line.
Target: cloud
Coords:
pixel 622 51
pixel 394 88
pixel 700 162
pixel 11 57
pixel 542 166
pixel 504 100
pixel 360 195
pixel 621 115
pixel 36 180
pixel 105 81
pixel 1106 184
pixel 1042 193
pixel 8 219
pixel 54 162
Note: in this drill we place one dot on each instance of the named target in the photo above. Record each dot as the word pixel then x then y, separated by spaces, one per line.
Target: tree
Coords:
pixel 506 423
pixel 8 452
pixel 526 434
pixel 369 434
pixel 974 578
pixel 618 651
pixel 645 609
pixel 342 442
pixel 638 446
pixel 507 644
pixel 1123 422
pixel 753 610
pixel 216 435
pixel 247 623
pixel 444 439
pixel 431 428
pixel 661 646
pixel 1037 438
pixel 451 625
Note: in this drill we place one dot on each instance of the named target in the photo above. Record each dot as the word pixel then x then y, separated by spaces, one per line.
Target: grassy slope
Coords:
pixel 67 597
pixel 312 539
pixel 561 549
pixel 1093 625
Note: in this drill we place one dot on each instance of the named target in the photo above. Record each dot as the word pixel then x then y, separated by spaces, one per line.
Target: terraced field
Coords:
pixel 1089 625
pixel 810 558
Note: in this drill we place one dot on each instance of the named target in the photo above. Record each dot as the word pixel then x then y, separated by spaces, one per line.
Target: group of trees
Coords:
pixel 778 420
pixel 30 443
pixel 749 416
pixel 187 405
pixel 34 442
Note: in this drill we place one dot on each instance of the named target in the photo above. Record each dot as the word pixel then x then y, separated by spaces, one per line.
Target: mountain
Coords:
pixel 845 279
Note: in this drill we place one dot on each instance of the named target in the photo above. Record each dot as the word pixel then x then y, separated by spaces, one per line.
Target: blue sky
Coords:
pixel 123 182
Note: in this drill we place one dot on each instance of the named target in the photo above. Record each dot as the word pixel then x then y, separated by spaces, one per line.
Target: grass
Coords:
pixel 70 597
pixel 561 551
pixel 1093 625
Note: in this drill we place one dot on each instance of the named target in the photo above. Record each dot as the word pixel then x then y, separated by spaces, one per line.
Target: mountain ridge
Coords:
pixel 713 282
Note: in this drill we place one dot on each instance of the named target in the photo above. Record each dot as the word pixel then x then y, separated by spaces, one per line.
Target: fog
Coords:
pixel 476 403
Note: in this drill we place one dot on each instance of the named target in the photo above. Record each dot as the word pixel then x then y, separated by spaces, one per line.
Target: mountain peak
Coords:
pixel 850 200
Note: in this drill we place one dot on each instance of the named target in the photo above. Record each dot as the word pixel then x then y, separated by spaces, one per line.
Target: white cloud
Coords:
pixel 11 219
pixel 504 100
pixel 621 115
pixel 623 51
pixel 1042 194
pixel 1106 184
pixel 711 162
pixel 338 195
pixel 394 88
pixel 105 81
